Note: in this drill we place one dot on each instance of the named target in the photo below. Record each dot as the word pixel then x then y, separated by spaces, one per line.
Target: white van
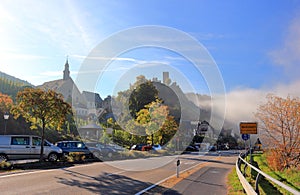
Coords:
pixel 19 147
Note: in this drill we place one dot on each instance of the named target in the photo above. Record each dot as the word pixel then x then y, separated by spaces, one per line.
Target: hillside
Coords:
pixel 10 85
pixel 14 79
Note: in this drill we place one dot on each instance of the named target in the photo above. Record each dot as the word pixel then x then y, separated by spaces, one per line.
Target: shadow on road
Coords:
pixel 107 183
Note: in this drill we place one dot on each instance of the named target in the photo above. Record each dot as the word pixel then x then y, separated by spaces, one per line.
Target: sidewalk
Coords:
pixel 211 179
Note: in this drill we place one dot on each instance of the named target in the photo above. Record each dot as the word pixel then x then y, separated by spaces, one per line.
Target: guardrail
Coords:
pixel 247 187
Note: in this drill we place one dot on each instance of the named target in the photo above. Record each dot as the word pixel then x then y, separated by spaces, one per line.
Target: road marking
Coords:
pixel 163 180
pixel 27 173
pixel 44 171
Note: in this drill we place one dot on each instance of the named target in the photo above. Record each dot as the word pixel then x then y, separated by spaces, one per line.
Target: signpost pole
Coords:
pixel 250 152
pixel 177 168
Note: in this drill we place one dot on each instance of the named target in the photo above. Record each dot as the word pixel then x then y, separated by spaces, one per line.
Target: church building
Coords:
pixel 85 103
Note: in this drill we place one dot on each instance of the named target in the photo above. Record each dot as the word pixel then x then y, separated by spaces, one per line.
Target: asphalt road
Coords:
pixel 119 177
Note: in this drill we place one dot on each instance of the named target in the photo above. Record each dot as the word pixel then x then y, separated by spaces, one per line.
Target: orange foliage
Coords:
pixel 279 124
pixel 5 102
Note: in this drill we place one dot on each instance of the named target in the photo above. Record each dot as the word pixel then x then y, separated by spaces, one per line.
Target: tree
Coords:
pixel 142 95
pixel 45 108
pixel 158 124
pixel 279 120
pixel 5 102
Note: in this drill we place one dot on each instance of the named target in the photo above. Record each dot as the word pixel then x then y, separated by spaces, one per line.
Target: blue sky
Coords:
pixel 255 44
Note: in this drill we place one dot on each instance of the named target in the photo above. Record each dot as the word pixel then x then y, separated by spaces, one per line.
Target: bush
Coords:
pixel 273 158
pixel 74 157
pixel 5 165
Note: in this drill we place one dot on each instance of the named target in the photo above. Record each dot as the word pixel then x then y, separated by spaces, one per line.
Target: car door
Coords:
pixel 36 147
pixel 20 147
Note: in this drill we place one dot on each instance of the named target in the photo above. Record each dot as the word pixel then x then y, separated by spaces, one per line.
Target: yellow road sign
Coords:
pixel 248 128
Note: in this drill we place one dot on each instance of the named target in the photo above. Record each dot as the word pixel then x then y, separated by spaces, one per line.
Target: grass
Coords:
pixel 289 177
pixel 234 185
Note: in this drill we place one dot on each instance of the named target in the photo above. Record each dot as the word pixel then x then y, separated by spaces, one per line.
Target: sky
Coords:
pixel 254 44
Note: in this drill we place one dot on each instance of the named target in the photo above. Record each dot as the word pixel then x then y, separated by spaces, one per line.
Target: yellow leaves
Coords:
pixel 38 106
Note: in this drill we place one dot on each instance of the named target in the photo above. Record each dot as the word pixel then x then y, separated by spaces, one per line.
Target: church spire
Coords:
pixel 66 71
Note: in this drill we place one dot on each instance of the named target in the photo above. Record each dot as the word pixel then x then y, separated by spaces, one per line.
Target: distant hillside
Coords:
pixel 14 79
pixel 10 85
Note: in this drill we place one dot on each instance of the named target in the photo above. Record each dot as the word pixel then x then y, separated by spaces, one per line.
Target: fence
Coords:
pixel 247 187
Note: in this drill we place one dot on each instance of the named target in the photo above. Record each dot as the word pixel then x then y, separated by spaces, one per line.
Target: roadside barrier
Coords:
pixel 247 187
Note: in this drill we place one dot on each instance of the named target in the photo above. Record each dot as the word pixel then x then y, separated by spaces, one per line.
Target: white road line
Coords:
pixel 27 173
pixel 161 181
pixel 44 171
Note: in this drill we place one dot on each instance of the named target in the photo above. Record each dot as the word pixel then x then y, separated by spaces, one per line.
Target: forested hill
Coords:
pixel 14 79
pixel 10 85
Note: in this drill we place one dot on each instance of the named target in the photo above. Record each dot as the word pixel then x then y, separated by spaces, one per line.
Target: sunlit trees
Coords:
pixel 158 124
pixel 279 120
pixel 5 102
pixel 41 108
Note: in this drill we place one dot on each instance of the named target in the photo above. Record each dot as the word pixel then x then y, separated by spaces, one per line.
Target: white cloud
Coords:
pixel 241 104
pixel 288 56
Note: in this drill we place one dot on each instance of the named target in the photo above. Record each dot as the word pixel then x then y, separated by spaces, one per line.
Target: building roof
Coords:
pixel 92 97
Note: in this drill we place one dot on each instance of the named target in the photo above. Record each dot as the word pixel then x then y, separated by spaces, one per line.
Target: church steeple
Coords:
pixel 66 71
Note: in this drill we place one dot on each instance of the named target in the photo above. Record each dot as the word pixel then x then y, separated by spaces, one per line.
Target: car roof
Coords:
pixel 68 141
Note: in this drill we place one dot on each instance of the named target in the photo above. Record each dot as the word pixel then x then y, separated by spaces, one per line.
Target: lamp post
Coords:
pixel 6 117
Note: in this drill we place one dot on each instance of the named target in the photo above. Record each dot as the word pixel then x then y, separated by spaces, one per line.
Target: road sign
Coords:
pixel 245 136
pixel 248 128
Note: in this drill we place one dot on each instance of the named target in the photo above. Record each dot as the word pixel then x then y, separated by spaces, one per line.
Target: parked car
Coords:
pixel 156 147
pixel 141 147
pixel 74 146
pixel 212 148
pixel 192 148
pixel 102 150
pixel 20 147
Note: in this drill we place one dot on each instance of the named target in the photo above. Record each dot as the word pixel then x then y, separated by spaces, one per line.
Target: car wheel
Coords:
pixel 3 158
pixel 109 155
pixel 53 157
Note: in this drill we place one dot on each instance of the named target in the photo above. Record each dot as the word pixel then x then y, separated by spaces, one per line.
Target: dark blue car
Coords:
pixel 74 146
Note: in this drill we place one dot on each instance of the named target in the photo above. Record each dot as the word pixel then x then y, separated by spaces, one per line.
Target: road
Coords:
pixel 119 177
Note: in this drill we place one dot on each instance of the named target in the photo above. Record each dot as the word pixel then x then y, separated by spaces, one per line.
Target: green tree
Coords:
pixel 142 95
pixel 39 107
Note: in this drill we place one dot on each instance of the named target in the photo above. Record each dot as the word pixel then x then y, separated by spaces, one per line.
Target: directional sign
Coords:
pixel 245 136
pixel 248 128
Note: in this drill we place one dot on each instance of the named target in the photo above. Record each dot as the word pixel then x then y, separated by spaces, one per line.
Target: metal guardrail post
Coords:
pixel 248 188
pixel 244 174
pixel 256 183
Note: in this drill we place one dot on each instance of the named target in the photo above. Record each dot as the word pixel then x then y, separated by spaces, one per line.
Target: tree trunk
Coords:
pixel 43 140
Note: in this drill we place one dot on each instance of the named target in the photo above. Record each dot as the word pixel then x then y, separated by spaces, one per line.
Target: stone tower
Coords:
pixel 66 71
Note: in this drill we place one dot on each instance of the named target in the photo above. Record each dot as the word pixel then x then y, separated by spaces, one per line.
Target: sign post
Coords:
pixel 177 168
pixel 247 128
pixel 245 137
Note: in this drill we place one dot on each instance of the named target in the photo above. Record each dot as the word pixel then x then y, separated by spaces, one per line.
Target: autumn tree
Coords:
pixel 5 102
pixel 158 124
pixel 41 108
pixel 279 121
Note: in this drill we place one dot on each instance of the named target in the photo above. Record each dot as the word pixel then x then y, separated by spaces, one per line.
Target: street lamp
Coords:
pixel 6 117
